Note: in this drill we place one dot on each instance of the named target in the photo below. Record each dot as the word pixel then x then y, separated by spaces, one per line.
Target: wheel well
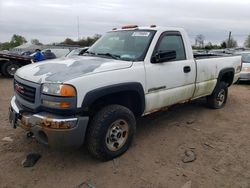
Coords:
pixel 129 99
pixel 227 77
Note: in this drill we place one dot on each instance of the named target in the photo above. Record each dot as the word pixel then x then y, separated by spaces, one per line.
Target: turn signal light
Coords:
pixel 67 91
pixel 64 104
pixel 53 104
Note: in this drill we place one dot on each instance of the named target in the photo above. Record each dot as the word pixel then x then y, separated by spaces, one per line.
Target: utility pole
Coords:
pixel 78 28
pixel 229 40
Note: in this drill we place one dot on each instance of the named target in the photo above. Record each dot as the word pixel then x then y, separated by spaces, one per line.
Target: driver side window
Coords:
pixel 170 43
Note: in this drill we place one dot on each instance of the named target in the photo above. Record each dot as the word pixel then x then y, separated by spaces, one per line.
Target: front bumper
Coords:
pixel 59 132
pixel 245 75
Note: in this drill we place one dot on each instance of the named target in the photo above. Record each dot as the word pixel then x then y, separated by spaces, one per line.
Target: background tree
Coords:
pixel 232 43
pixel 17 40
pixel 247 42
pixel 82 42
pixel 68 41
pixel 210 46
pixel 223 44
pixel 35 42
pixel 5 46
pixel 199 41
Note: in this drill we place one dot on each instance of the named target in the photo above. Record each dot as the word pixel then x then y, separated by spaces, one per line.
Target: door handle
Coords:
pixel 186 69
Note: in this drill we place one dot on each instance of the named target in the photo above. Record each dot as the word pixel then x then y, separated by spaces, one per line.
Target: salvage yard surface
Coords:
pixel 219 138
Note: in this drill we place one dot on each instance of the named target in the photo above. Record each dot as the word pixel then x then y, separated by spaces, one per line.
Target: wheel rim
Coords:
pixel 221 97
pixel 117 135
pixel 11 69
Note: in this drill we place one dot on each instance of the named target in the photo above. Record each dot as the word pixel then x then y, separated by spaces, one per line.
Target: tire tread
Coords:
pixel 96 131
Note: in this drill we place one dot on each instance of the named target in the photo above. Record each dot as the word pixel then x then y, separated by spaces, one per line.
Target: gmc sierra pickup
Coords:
pixel 128 73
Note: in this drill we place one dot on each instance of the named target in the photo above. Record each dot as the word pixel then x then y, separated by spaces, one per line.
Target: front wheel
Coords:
pixel 111 132
pixel 218 98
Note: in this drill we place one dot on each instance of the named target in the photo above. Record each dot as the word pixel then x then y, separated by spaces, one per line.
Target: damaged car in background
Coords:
pixel 9 63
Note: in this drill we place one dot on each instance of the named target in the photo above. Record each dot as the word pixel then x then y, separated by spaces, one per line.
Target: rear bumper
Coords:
pixel 59 132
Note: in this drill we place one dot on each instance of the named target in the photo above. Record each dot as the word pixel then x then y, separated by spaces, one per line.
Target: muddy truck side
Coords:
pixel 128 73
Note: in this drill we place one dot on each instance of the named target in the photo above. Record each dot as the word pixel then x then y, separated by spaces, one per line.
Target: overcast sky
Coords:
pixel 54 20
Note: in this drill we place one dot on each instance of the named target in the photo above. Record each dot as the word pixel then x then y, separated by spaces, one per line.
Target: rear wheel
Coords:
pixel 9 68
pixel 111 132
pixel 218 98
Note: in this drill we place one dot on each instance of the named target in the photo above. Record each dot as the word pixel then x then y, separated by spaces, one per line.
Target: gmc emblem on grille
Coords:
pixel 19 88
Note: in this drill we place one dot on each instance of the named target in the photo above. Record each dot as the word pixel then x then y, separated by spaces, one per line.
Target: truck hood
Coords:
pixel 65 69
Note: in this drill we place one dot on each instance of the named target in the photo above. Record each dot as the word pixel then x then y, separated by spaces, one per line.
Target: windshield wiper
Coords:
pixel 114 56
pixel 89 52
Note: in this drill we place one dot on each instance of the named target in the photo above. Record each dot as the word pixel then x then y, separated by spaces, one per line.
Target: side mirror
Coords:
pixel 163 56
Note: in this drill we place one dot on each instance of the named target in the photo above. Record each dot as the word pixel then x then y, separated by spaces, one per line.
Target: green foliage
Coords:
pixel 208 46
pixel 211 46
pixel 16 40
pixel 82 42
pixel 247 42
pixel 69 41
pixel 5 46
pixel 223 44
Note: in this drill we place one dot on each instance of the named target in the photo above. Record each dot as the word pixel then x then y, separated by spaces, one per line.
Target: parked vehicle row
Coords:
pixel 245 73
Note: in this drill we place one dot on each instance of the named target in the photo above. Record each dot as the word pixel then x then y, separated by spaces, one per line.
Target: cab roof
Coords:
pixel 153 28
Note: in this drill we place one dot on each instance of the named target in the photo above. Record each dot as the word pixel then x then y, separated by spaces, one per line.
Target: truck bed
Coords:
pixel 208 56
pixel 17 58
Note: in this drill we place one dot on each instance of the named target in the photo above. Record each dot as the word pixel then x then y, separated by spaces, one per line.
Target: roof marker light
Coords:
pixel 129 26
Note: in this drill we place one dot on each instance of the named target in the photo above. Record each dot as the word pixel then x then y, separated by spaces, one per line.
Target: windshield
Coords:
pixel 246 58
pixel 129 45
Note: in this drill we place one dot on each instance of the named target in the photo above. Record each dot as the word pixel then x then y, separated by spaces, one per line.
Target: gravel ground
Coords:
pixel 219 138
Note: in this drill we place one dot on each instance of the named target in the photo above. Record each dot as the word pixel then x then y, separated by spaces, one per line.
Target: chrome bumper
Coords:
pixel 245 75
pixel 49 129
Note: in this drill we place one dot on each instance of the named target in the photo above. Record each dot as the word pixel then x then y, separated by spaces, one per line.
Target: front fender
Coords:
pixel 95 94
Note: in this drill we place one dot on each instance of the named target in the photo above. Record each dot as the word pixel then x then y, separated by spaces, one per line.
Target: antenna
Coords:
pixel 229 40
pixel 78 28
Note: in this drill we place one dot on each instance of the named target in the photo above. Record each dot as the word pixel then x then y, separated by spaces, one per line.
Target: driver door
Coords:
pixel 172 81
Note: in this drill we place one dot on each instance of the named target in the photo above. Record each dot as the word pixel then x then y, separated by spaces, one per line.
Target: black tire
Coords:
pixel 218 98
pixel 97 142
pixel 9 68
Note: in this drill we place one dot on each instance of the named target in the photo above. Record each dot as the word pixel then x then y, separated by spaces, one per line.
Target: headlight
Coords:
pixel 62 90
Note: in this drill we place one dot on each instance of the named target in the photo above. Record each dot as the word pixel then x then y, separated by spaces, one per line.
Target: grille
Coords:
pixel 25 92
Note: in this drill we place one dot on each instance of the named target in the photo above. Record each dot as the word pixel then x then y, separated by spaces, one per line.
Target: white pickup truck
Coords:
pixel 128 73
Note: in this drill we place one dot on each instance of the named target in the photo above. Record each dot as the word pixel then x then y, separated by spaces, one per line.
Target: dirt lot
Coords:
pixel 220 138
